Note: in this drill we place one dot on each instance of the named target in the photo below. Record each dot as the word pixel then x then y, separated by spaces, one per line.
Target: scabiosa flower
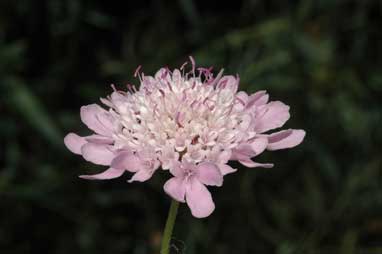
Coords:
pixel 190 123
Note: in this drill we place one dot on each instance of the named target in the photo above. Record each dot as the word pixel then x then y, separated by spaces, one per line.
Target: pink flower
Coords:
pixel 142 163
pixel 191 124
pixel 188 185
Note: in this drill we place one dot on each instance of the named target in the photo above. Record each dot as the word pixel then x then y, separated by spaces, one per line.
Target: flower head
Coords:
pixel 191 124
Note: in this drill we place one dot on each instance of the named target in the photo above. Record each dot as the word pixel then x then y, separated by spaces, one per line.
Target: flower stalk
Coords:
pixel 167 234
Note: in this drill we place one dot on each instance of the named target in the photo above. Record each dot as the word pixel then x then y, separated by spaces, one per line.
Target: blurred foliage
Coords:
pixel 324 58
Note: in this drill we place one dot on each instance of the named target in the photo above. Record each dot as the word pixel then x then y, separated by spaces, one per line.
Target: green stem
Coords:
pixel 165 248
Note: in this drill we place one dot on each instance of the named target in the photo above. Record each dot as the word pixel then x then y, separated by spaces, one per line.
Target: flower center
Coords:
pixel 188 174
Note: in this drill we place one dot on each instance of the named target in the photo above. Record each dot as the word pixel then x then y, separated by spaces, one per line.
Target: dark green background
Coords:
pixel 324 58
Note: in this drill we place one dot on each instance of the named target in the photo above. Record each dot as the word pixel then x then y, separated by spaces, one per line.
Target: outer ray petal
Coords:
pixel 270 116
pixel 142 175
pixel 209 174
pixel 251 164
pixel 74 142
pixel 128 161
pixel 96 119
pixel 97 153
pixel 226 169
pixel 199 199
pixel 107 174
pixel 285 139
pixel 176 188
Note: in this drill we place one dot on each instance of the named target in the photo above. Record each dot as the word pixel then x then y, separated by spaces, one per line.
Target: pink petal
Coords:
pixel 96 119
pixel 177 169
pixel 209 174
pixel 226 169
pixel 147 83
pixel 107 121
pixel 148 153
pixel 168 157
pixel 199 199
pixel 285 139
pixel 247 150
pixel 228 82
pixel 180 143
pixel 74 142
pixel 247 121
pixel 127 161
pixel 175 188
pixel 257 99
pixel 242 151
pixel 98 139
pixel 259 145
pixel 142 175
pixel 118 100
pixel 168 164
pixel 163 74
pixel 155 164
pixel 224 156
pixel 251 164
pixel 108 174
pixel 270 116
pixel 176 76
pixel 97 153
pixel 242 97
pixel 117 96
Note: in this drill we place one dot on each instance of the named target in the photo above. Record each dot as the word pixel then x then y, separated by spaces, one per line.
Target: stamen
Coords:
pixel 169 86
pixel 165 72
pixel 129 86
pixel 168 69
pixel 183 65
pixel 193 84
pixel 193 104
pixel 192 63
pixel 222 84
pixel 184 97
pixel 146 90
pixel 177 119
pixel 136 73
pixel 218 77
